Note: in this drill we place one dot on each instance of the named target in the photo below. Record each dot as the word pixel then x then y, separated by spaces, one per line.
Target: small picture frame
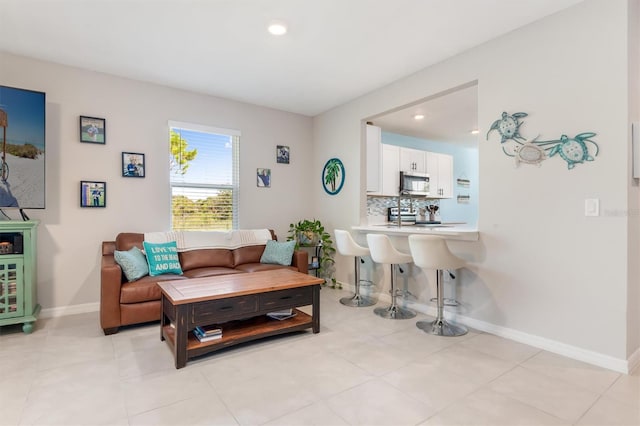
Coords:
pixel 282 154
pixel 93 130
pixel 133 164
pixel 93 194
pixel 314 262
pixel 263 178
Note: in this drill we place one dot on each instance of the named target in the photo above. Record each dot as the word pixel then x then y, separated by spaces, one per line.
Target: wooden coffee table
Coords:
pixel 238 303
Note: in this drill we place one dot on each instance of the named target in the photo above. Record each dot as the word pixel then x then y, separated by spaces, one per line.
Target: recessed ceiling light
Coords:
pixel 277 28
pixel 475 131
pixel 418 117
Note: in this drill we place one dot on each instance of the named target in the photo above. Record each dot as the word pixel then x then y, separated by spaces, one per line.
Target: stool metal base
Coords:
pixel 440 327
pixel 357 301
pixel 394 312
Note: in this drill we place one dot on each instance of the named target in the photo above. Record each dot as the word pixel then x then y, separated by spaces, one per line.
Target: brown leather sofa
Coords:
pixel 126 303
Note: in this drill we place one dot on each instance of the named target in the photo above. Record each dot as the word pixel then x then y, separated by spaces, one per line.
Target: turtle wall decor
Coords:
pixel 573 150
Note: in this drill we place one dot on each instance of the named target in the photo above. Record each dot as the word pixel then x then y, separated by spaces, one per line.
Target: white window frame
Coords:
pixel 235 155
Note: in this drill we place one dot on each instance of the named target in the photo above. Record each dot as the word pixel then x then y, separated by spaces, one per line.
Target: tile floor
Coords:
pixel 360 370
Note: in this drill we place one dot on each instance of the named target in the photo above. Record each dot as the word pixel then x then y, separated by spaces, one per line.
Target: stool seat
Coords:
pixel 432 252
pixel 348 247
pixel 382 251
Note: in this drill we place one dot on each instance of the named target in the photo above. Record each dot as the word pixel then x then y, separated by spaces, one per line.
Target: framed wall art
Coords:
pixel 93 130
pixel 333 176
pixel 263 178
pixel 133 164
pixel 282 154
pixel 93 194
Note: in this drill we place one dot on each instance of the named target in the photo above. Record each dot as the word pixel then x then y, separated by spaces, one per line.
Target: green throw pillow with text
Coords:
pixel 162 258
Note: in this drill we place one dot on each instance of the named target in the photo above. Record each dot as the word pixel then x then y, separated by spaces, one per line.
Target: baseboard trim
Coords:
pixel 570 351
pixel 62 311
pixel 634 360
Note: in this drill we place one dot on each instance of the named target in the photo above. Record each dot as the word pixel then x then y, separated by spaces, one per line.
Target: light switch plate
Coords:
pixel 592 207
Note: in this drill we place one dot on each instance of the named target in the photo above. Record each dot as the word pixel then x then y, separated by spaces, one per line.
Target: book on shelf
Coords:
pixel 203 338
pixel 282 314
pixel 209 330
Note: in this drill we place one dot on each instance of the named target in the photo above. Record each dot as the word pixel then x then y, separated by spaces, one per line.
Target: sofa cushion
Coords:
pixel 127 240
pixel 203 258
pixel 247 254
pixel 133 263
pixel 210 272
pixel 257 267
pixel 145 289
pixel 278 253
pixel 162 258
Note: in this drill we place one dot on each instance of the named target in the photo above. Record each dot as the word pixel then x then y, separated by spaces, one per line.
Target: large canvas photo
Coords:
pixel 22 148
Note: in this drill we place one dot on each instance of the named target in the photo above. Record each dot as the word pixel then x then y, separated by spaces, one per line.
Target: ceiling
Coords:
pixel 334 51
pixel 448 117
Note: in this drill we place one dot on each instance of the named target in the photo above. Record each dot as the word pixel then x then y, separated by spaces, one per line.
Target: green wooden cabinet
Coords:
pixel 18 283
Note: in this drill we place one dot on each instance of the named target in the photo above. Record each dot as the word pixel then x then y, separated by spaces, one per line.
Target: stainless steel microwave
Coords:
pixel 414 183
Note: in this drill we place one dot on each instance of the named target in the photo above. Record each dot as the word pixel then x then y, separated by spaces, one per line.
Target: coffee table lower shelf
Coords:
pixel 241 331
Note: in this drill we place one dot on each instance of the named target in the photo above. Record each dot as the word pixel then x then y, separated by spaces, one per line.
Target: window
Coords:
pixel 204 177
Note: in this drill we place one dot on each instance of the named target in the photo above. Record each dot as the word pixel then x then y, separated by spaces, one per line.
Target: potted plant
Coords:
pixel 311 233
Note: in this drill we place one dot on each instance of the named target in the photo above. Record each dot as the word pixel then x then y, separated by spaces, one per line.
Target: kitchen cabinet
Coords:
pixel 390 170
pixel 393 159
pixel 374 158
pixel 412 160
pixel 440 169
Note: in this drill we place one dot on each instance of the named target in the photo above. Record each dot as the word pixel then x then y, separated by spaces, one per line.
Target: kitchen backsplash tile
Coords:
pixel 377 206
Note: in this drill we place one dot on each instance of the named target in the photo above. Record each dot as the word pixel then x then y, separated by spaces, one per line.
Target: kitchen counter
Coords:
pixel 452 231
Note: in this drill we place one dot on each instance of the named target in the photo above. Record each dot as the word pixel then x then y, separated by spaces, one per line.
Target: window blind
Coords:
pixel 204 176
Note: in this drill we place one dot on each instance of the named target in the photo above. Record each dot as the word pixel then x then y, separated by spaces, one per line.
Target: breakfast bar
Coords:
pixel 453 231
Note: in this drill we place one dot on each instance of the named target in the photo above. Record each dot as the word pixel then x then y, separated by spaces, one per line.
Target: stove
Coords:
pixel 408 217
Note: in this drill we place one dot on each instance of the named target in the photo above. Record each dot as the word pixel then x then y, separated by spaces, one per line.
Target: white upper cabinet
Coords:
pixel 385 164
pixel 390 170
pixel 374 158
pixel 412 160
pixel 383 161
pixel 440 170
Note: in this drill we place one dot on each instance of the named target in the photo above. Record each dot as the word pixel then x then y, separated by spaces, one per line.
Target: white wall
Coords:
pixel 136 120
pixel 541 267
pixel 633 301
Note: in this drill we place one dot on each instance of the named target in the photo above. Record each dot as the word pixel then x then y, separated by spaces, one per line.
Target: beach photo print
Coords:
pixel 22 148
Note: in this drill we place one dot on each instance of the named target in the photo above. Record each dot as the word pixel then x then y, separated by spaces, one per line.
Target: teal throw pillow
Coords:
pixel 278 253
pixel 133 263
pixel 162 258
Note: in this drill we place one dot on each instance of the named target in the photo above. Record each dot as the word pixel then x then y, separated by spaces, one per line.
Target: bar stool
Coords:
pixel 432 252
pixel 348 247
pixel 382 251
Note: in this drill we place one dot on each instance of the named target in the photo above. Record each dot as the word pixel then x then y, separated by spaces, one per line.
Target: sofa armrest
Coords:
pixel 301 261
pixel 110 282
